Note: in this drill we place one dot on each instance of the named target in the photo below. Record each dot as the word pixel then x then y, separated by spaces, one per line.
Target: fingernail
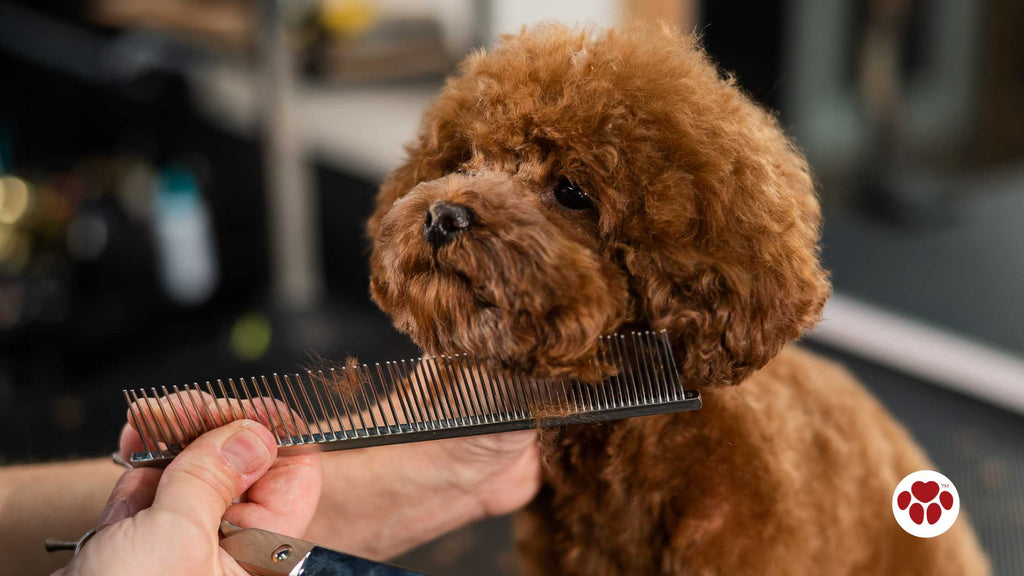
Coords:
pixel 245 451
pixel 115 511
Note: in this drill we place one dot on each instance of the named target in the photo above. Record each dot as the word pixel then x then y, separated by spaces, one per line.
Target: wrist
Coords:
pixel 383 501
pixel 498 472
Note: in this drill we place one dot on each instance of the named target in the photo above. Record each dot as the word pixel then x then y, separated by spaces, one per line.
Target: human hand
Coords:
pixel 166 522
pixel 399 496
pixel 410 494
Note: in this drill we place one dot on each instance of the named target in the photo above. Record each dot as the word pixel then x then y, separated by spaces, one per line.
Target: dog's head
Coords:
pixel 566 184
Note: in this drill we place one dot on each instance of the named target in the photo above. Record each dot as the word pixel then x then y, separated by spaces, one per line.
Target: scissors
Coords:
pixel 263 553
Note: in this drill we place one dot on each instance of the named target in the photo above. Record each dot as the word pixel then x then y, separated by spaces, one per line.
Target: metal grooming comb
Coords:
pixel 411 400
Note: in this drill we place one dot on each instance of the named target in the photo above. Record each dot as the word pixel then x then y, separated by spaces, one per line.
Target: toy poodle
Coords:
pixel 569 183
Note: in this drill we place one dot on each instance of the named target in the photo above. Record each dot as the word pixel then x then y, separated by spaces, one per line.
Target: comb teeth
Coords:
pixel 427 398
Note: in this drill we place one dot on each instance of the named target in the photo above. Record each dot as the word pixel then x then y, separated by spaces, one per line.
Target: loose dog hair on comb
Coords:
pixel 427 398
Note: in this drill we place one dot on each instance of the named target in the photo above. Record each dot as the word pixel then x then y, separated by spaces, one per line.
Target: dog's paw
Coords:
pixel 922 494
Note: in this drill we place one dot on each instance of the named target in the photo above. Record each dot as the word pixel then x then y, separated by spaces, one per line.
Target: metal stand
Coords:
pixel 291 203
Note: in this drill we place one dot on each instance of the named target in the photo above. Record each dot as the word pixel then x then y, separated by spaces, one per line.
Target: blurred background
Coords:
pixel 183 187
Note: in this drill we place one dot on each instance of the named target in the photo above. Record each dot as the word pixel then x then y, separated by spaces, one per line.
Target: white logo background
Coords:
pixel 924 529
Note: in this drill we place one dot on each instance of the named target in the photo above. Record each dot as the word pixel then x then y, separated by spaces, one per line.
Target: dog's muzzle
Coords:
pixel 445 220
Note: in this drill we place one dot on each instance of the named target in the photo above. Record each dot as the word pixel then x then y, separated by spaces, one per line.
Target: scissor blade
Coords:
pixel 263 553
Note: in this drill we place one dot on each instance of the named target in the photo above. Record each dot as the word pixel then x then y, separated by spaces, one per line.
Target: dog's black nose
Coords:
pixel 444 221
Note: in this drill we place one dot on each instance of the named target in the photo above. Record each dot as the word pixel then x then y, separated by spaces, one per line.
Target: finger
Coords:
pixel 253 399
pixel 133 492
pixel 181 416
pixel 267 410
pixel 285 499
pixel 176 417
pixel 130 442
pixel 215 469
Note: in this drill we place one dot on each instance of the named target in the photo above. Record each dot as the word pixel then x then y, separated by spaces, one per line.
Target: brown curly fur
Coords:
pixel 706 224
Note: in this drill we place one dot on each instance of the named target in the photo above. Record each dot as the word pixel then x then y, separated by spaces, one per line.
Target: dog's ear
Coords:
pixel 743 277
pixel 726 323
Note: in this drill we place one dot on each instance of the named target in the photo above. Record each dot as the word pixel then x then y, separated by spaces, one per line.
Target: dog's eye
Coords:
pixel 571 197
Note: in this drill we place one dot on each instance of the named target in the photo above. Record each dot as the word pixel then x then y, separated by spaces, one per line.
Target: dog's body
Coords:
pixel 791 473
pixel 567 185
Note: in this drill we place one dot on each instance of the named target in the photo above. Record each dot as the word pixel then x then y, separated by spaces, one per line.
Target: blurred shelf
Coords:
pixel 964 271
pixel 922 350
pixel 357 129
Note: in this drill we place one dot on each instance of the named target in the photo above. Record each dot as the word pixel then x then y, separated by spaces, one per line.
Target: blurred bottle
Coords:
pixel 186 254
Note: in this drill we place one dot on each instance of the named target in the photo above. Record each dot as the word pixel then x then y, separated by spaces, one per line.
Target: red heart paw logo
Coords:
pixel 925 491
pixel 925 504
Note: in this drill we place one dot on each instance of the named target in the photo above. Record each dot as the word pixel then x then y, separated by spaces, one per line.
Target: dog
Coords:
pixel 570 183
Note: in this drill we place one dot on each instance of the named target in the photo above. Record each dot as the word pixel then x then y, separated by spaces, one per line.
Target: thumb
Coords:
pixel 215 469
